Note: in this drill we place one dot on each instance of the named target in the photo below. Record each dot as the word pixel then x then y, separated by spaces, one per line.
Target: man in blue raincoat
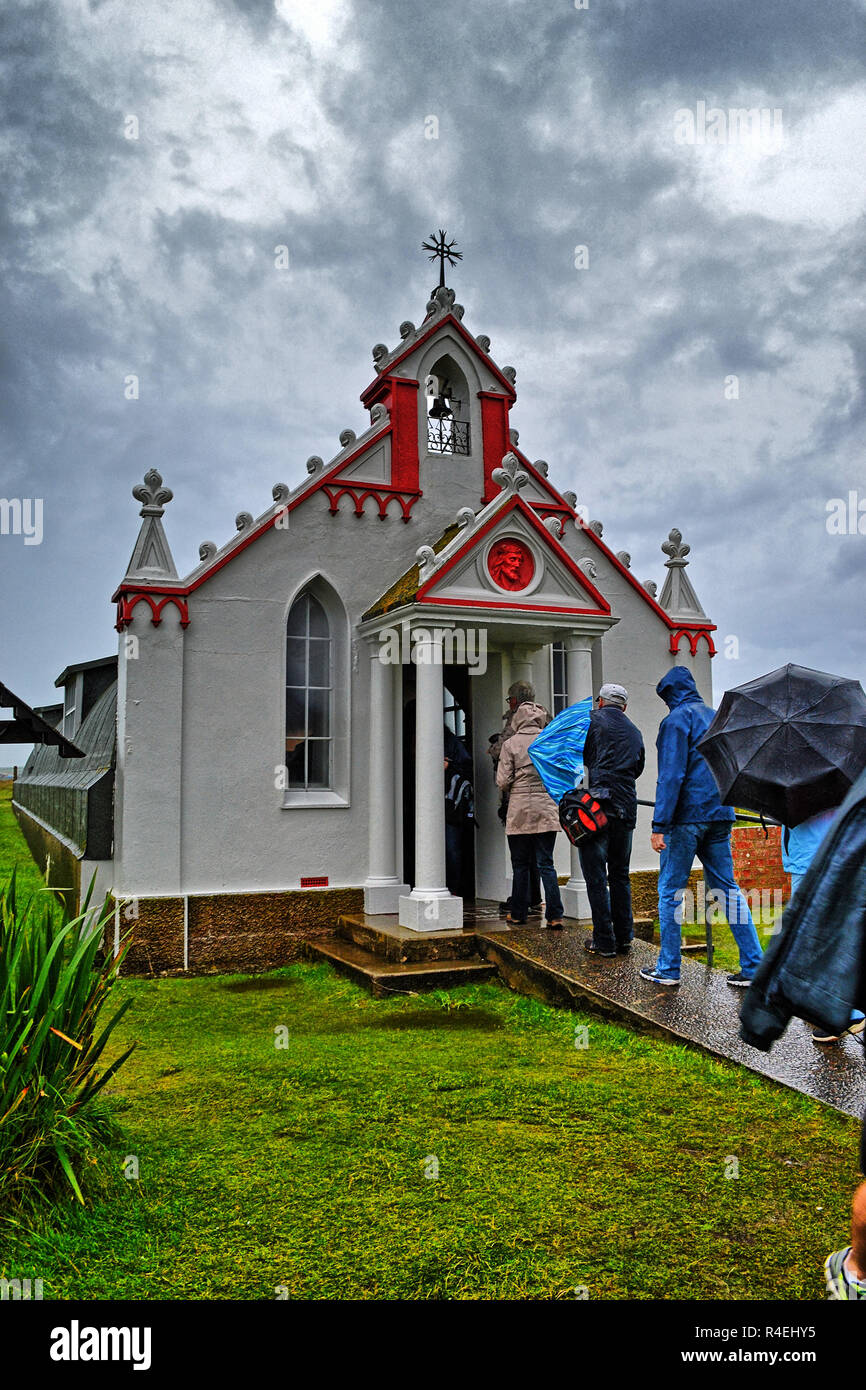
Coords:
pixel 689 820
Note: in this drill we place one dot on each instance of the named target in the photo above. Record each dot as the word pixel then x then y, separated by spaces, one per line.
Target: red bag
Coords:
pixel 580 815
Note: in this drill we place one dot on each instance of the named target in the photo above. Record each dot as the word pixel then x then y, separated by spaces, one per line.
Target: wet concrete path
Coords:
pixel 703 1011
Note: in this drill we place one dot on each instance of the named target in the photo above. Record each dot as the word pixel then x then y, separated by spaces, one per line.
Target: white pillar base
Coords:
pixel 430 912
pixel 575 900
pixel 382 898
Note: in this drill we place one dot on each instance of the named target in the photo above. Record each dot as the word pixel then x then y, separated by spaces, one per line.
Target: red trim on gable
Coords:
pixel 327 476
pixel 517 504
pixel 558 501
pixel 372 393
pixel 128 600
pixel 523 607
pixel 694 635
pixel 360 492
pixel 562 505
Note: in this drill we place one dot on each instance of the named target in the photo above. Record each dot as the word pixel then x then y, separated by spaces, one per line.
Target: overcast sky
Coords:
pixel 306 123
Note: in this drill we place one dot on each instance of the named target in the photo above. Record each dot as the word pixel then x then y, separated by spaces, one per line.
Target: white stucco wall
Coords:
pixel 201 719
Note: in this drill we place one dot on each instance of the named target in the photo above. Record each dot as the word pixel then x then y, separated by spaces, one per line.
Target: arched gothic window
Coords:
pixel 309 695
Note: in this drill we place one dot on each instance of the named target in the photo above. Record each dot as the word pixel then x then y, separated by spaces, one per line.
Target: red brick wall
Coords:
pixel 758 859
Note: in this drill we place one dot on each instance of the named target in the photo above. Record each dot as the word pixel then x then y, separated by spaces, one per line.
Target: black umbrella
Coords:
pixel 789 744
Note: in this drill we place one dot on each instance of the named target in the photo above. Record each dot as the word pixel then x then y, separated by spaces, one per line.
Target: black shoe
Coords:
pixel 740 981
pixel 505 907
pixel 624 950
pixel 594 951
pixel 536 907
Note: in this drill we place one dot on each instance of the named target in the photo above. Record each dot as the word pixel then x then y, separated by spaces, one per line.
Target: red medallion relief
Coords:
pixel 511 565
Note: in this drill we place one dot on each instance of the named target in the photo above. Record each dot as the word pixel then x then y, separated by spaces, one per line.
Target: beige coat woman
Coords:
pixel 531 811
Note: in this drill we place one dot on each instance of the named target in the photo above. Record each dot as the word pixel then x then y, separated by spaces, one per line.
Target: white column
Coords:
pixel 382 887
pixel 521 665
pixel 578 674
pixel 429 907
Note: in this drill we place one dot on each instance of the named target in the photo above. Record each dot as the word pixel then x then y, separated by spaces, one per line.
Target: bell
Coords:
pixel 439 410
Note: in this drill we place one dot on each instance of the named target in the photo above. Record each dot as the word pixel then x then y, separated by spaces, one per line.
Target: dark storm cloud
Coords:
pixel 793 42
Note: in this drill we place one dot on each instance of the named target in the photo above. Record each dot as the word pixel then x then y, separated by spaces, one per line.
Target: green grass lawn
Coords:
pixel 313 1167
pixel 14 853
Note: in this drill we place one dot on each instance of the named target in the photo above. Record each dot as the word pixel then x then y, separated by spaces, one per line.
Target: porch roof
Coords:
pixel 405 590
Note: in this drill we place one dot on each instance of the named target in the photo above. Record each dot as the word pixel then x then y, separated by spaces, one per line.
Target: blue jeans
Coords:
pixel 604 860
pixel 856 1014
pixel 527 850
pixel 711 842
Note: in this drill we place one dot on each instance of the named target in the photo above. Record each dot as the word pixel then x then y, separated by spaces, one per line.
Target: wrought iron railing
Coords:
pixel 445 436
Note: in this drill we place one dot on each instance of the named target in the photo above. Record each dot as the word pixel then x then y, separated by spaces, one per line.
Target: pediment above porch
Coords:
pixel 504 561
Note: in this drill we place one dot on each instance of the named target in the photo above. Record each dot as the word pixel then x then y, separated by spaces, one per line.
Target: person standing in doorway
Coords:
pixel 689 819
pixel 533 817
pixel 613 756
pixel 519 692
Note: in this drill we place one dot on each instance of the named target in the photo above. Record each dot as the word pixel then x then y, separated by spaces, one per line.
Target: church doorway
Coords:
pixel 457 720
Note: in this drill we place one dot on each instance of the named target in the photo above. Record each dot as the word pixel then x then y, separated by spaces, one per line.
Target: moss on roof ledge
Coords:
pixel 406 587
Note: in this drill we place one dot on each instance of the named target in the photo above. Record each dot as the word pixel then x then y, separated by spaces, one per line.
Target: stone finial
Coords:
pixel 281 492
pixel 677 597
pixel 315 464
pixel 151 558
pixel 465 517
pixel 152 494
pixel 651 587
pixel 514 436
pixel 426 557
pixel 407 328
pixel 542 466
pixel 458 311
pixel 624 559
pixel 674 547
pixel 379 413
pixel 207 550
pixel 570 498
pixel 510 476
pixel 588 567
pixel 347 437
pixel 554 526
pixel 483 342
pixel 597 527
pixel 244 520
pixel 441 301
pixel 510 374
pixel 380 356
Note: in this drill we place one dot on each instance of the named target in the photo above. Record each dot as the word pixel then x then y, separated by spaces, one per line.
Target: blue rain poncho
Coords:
pixel 557 751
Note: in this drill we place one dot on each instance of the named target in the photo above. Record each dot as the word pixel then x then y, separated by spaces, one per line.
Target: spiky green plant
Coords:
pixel 52 989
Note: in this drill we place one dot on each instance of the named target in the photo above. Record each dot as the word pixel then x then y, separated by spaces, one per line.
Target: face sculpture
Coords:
pixel 511 565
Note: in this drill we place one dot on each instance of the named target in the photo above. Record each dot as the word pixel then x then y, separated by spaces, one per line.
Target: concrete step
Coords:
pixel 383 936
pixel 384 977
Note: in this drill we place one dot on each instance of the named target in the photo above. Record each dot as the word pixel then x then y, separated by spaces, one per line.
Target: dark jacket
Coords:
pixel 613 756
pixel 686 790
pixel 816 968
pixel 458 758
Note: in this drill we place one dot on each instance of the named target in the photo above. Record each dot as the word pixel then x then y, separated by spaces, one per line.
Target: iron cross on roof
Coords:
pixel 442 251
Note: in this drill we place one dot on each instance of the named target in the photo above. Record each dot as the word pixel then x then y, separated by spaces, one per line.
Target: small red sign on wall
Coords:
pixel 314 882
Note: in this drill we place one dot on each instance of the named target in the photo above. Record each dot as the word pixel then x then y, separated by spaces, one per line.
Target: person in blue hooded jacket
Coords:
pixel 689 820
